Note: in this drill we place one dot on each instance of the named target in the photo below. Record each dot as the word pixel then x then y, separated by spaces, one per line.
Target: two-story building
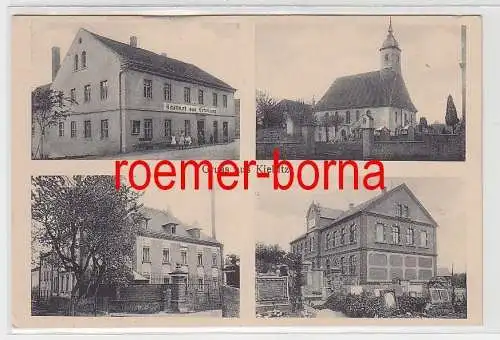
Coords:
pixel 163 245
pixel 125 97
pixel 391 236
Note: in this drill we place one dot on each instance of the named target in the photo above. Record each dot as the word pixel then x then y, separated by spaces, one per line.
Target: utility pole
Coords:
pixel 463 66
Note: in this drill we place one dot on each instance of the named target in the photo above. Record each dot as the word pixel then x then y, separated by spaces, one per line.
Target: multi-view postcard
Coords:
pixel 189 171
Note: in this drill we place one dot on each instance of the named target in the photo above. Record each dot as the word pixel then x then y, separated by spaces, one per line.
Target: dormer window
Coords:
pixel 173 229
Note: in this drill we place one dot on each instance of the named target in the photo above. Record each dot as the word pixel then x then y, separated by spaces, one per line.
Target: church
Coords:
pixel 380 95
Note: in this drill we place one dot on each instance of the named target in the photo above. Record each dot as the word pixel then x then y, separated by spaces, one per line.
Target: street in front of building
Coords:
pixel 218 151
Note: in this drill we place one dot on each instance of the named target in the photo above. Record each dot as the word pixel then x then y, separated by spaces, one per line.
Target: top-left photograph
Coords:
pixel 135 87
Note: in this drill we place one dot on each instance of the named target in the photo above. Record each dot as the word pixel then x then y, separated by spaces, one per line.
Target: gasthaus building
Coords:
pixel 128 98
pixel 391 236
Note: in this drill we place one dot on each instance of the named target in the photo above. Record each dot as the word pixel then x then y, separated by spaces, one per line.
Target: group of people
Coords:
pixel 181 141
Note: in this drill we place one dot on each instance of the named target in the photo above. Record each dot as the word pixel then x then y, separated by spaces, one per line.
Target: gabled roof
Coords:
pixel 147 61
pixel 369 203
pixel 158 218
pixel 383 88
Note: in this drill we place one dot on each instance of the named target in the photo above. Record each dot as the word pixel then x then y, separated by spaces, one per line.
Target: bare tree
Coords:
pixel 269 113
pixel 89 226
pixel 48 108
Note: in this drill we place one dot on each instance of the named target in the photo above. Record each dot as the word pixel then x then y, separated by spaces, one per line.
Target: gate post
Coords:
pixel 179 287
pixel 367 136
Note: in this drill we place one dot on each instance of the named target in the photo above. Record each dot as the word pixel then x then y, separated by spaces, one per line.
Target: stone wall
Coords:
pixel 230 302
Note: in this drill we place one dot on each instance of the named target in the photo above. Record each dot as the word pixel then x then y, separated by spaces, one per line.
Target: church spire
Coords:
pixel 390 51
pixel 390 25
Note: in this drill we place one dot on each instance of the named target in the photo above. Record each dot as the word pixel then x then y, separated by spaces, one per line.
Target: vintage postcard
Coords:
pixel 123 93
pixel 374 87
pixel 128 138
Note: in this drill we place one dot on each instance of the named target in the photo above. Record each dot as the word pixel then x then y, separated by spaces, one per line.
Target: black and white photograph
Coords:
pixel 108 88
pixel 365 87
pixel 394 253
pixel 99 251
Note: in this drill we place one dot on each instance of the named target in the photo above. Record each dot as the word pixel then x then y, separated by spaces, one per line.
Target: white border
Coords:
pixel 491 142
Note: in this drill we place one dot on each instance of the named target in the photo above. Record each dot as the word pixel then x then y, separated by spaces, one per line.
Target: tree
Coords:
pixel 48 108
pixel 267 257
pixel 269 113
pixel 451 117
pixel 90 228
pixel 334 121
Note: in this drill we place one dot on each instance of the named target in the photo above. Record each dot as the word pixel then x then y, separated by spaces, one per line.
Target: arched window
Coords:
pixel 352 264
pixel 395 234
pixel 84 59
pixel 76 62
pixel 352 233
pixel 410 238
pixel 368 112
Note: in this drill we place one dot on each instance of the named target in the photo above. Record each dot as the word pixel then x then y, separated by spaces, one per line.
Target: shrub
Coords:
pixel 411 304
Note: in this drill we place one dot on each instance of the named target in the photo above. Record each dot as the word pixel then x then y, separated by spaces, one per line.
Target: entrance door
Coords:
pixel 225 132
pixel 201 132
pixel 216 133
pixel 148 129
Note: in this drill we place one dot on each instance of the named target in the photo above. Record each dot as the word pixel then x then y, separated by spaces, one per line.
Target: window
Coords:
pixel 187 127
pixel 200 97
pixel 379 233
pixel 184 257
pixel 72 95
pixel 352 264
pixel 172 229
pixel 357 115
pixel 136 127
pixel 344 234
pixel 166 280
pixel 87 129
pixel 396 117
pixel 84 59
pixel 200 283
pixel 104 89
pixel 148 88
pixel 409 236
pixel 104 129
pixel 75 64
pixel 328 264
pixel 423 239
pixel 73 129
pixel 168 128
pixel 167 92
pixel 406 211
pixel 214 259
pixel 348 117
pixel 395 235
pixel 386 57
pixel 352 234
pixel 342 265
pixel 224 100
pixel 166 255
pixel 61 129
pixel 336 238
pixel 187 95
pixel 86 93
pixel 214 99
pixel 146 256
pixel 148 129
pixel 200 259
pixel 328 236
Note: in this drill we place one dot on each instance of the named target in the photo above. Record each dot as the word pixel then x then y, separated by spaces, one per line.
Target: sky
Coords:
pixel 213 45
pixel 280 216
pixel 300 59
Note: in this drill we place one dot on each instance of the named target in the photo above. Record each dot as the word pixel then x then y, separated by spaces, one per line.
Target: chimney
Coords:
pixel 133 41
pixel 351 205
pixel 56 61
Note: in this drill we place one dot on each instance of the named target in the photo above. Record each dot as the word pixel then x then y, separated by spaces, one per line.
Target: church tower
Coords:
pixel 390 53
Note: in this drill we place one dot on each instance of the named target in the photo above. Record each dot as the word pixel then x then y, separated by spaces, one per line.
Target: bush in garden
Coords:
pixel 411 304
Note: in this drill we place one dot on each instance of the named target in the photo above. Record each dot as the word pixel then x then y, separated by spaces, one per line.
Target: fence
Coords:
pixel 134 298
